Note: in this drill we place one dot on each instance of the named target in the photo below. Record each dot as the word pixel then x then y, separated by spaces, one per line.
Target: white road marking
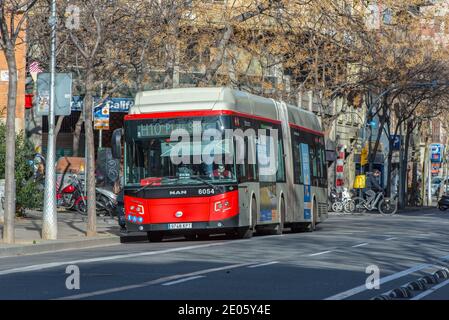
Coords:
pixel 182 280
pixel 356 290
pixel 360 245
pixel 263 264
pixel 151 282
pixel 392 238
pixel 431 290
pixel 319 253
pixel 44 266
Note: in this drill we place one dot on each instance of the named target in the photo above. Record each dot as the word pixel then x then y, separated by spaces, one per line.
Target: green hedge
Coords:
pixel 29 194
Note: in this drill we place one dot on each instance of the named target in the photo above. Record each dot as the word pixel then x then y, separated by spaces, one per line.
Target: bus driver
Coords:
pixel 221 172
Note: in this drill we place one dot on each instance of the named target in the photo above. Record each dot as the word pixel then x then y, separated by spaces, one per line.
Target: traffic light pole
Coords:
pixel 50 223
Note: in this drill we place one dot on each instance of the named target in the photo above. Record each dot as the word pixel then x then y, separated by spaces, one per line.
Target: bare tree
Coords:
pixel 13 16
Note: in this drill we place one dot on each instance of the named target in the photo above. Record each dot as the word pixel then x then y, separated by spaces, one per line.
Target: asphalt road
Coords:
pixel 329 263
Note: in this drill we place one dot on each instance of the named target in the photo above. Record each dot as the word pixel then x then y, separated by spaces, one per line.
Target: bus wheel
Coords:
pixel 154 236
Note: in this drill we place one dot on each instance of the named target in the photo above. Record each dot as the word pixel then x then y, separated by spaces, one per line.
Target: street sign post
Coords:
pixel 101 117
pixel 63 94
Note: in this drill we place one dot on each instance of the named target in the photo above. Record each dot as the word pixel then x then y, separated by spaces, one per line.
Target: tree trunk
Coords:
pixel 416 159
pixel 424 171
pixel 218 59
pixel 10 187
pixel 389 167
pixel 34 128
pixel 77 133
pixel 90 157
pixel 404 163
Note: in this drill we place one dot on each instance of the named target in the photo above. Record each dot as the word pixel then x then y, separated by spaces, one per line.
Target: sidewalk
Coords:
pixel 71 234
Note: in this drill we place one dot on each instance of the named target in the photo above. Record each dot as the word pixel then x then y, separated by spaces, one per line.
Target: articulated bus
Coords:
pixel 172 186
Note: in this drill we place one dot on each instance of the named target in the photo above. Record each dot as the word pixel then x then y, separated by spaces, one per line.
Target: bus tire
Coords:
pixel 154 236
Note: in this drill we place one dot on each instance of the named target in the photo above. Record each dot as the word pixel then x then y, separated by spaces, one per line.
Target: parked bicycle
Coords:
pixel 345 203
pixel 385 205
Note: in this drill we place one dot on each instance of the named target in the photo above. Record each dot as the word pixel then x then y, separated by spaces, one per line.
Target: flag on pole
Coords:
pixel 35 69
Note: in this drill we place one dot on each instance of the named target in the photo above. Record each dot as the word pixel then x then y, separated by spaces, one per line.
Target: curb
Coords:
pixel 57 245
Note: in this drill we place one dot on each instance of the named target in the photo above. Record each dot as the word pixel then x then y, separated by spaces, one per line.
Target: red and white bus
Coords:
pixel 195 198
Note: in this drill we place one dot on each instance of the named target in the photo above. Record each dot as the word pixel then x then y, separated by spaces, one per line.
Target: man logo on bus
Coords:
pixel 178 192
pixel 210 146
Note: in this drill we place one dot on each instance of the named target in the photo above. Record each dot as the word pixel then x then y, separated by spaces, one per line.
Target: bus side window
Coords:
pixel 246 172
pixel 280 174
pixel 251 168
pixel 313 161
pixel 297 164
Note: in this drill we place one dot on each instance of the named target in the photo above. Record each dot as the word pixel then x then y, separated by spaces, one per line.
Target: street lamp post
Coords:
pixel 50 223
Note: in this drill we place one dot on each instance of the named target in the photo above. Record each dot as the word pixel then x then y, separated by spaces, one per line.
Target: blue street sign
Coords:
pixel 436 152
pixel 115 104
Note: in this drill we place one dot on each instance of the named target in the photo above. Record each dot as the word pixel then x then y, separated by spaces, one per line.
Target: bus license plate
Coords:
pixel 174 226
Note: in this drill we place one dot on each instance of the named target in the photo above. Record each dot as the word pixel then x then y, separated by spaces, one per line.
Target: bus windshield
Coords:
pixel 154 157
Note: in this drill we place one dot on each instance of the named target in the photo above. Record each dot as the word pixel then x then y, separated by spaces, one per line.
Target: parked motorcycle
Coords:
pixel 106 201
pixel 69 196
pixel 443 203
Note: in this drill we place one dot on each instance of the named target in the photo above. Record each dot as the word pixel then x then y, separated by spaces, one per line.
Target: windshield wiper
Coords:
pixel 204 181
pixel 144 187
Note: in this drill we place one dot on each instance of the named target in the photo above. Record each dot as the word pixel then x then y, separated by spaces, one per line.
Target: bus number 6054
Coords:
pixel 206 191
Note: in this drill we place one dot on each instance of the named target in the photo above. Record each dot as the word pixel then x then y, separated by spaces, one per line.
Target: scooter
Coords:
pixel 443 203
pixel 106 200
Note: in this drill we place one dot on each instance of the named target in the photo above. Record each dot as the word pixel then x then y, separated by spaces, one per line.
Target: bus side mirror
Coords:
pixel 116 143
